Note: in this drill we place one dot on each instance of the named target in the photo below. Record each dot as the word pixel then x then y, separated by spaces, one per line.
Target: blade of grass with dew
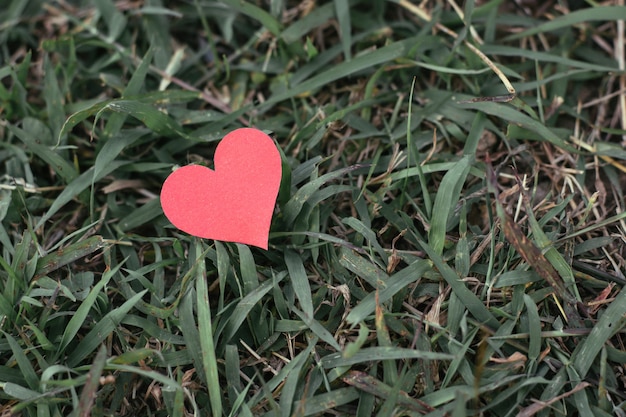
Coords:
pixel 153 118
pixel 133 88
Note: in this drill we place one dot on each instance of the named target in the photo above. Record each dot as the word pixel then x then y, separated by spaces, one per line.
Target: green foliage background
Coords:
pixel 438 247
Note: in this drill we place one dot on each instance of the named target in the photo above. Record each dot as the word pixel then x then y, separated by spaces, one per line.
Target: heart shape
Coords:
pixel 235 201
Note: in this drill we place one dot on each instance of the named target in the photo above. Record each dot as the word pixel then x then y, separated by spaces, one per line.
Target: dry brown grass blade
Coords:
pixel 373 386
pixel 531 410
pixel 532 255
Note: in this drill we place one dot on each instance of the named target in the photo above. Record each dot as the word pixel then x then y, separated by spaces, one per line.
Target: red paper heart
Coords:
pixel 235 201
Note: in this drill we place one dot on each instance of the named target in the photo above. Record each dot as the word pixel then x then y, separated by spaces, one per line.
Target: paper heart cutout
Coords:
pixel 235 201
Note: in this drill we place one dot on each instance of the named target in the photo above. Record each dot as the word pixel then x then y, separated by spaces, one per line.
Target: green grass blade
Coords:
pixel 205 330
pixel 517 118
pixel 19 392
pixel 610 322
pixel 248 269
pixel 101 330
pixel 54 98
pixel 468 298
pixel 291 382
pixel 245 305
pixel 317 328
pixel 68 254
pixel 112 148
pixel 367 233
pixel 531 55
pixel 381 353
pixel 78 318
pixel 300 197
pixel 534 327
pixel 388 289
pixel 363 62
pixel 77 186
pixel 342 10
pixel 23 363
pixel 445 202
pixel 62 167
pixel 300 282
pixel 326 403
pixel 254 12
pixel 573 18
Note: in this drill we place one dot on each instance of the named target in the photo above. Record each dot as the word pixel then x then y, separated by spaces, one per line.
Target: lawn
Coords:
pixel 448 237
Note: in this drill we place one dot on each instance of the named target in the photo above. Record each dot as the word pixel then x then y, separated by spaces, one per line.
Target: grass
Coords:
pixel 448 238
